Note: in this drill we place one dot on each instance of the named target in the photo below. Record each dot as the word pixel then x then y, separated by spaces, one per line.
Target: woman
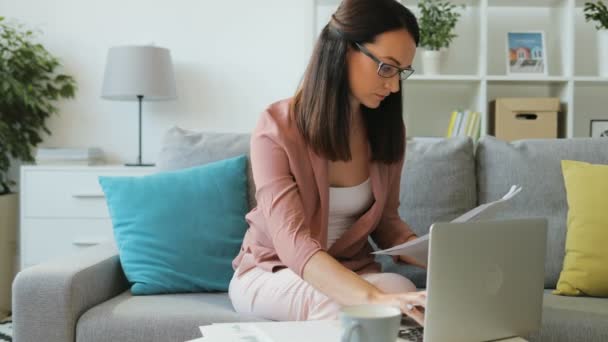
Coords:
pixel 327 166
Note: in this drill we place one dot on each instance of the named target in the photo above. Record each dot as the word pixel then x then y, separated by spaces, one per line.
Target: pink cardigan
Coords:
pixel 289 223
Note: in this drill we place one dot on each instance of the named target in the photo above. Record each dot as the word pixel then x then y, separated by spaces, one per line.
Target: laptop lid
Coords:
pixel 485 280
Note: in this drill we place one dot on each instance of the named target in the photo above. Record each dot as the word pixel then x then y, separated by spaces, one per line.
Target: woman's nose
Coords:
pixel 392 83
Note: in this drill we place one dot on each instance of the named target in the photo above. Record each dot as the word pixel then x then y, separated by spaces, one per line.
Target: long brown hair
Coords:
pixel 321 106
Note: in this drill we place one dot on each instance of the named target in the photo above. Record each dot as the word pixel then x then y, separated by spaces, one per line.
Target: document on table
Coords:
pixel 418 248
pixel 301 331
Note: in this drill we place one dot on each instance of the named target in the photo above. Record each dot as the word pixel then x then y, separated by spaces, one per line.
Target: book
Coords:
pixel 464 123
pixel 451 124
pixel 457 124
pixel 418 249
pixel 469 120
pixel 69 156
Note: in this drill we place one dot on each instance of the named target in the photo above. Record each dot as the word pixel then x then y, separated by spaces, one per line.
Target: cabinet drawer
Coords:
pixel 45 239
pixel 66 194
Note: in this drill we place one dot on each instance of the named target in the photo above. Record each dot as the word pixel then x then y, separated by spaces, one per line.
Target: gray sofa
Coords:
pixel 86 297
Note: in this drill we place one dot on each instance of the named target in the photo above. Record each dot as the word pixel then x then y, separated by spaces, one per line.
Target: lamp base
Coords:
pixel 139 165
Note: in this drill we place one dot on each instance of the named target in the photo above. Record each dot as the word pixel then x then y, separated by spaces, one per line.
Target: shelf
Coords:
pixel 528 3
pixel 413 3
pixel 591 79
pixel 327 2
pixel 591 102
pixel 449 78
pixel 527 79
pixel 474 69
pixel 585 42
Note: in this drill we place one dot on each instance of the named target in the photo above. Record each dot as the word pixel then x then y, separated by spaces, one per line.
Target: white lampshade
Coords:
pixel 138 70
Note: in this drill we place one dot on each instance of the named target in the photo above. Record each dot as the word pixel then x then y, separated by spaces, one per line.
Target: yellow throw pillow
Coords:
pixel 585 269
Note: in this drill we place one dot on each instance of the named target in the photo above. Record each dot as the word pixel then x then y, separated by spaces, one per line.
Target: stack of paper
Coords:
pixel 71 156
pixel 419 248
pixel 303 331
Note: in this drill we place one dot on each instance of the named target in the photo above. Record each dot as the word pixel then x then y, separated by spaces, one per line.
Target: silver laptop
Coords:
pixel 485 280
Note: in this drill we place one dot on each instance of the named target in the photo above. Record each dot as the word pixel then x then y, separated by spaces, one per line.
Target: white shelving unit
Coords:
pixel 475 66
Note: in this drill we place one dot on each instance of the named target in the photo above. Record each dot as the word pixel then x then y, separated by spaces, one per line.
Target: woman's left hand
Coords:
pixel 409 260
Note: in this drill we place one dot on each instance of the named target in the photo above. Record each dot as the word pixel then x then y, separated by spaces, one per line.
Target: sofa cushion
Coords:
pixel 568 319
pixel 174 317
pixel 585 271
pixel 178 231
pixel 437 185
pixel 182 148
pixel 536 166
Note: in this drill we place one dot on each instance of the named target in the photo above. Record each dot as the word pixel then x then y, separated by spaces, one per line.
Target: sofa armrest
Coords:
pixel 49 298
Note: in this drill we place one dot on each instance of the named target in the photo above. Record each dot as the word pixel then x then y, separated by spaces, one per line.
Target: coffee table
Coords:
pixel 304 331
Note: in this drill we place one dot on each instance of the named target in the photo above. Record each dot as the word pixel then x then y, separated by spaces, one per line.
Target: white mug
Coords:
pixel 370 323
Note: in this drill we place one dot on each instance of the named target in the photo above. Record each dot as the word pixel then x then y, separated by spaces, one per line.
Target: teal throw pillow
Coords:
pixel 179 231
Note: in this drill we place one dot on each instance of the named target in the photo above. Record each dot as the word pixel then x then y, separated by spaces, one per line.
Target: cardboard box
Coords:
pixel 524 118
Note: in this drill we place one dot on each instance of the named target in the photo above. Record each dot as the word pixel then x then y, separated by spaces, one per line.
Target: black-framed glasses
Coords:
pixel 384 69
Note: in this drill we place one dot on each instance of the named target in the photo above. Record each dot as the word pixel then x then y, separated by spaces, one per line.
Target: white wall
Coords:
pixel 231 58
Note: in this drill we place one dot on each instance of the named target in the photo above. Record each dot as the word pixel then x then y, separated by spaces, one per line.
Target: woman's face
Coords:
pixel 366 86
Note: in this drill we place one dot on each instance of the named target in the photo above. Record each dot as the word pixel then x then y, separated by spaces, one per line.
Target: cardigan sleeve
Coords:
pixel 278 197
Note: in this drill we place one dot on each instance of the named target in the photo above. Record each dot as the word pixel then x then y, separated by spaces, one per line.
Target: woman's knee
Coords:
pixel 391 282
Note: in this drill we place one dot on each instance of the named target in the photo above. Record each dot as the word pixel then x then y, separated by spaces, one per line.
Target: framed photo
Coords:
pixel 526 53
pixel 598 129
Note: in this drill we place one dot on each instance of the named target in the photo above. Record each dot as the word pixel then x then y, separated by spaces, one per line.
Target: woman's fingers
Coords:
pixel 414 313
pixel 416 298
pixel 412 261
pixel 418 316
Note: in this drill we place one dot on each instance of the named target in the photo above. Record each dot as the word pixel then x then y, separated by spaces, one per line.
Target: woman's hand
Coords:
pixel 410 303
pixel 409 260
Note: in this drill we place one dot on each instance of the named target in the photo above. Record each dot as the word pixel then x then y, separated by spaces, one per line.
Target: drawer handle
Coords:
pixel 89 195
pixel 526 116
pixel 86 243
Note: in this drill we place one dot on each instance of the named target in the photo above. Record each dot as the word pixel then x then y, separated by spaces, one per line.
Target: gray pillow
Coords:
pixel 183 148
pixel 437 185
pixel 536 166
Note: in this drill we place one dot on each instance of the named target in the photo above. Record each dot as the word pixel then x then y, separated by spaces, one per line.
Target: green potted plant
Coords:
pixel 29 87
pixel 437 22
pixel 597 12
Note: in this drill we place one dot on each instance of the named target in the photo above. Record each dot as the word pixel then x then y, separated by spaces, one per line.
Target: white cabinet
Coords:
pixel 63 209
pixel 475 65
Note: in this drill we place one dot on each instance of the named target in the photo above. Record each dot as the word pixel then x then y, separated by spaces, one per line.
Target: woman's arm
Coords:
pixel 337 282
pixel 346 287
pixel 278 197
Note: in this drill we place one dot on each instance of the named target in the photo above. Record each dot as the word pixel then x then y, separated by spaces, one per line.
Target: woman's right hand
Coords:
pixel 410 303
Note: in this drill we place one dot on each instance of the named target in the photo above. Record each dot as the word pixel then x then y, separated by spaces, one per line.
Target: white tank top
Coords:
pixel 346 205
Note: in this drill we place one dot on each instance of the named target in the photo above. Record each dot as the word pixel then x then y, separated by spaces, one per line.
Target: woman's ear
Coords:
pixel 350 50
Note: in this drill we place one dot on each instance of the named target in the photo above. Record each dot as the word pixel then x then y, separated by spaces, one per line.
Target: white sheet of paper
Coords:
pixel 302 331
pixel 232 332
pixel 419 248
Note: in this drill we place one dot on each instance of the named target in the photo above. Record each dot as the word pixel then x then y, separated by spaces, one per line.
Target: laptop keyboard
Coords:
pixel 413 334
pixel 410 331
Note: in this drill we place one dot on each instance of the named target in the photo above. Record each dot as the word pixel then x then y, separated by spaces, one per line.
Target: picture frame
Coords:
pixel 526 53
pixel 598 128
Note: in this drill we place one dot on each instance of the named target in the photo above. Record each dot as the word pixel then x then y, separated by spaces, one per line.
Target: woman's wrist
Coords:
pixel 375 297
